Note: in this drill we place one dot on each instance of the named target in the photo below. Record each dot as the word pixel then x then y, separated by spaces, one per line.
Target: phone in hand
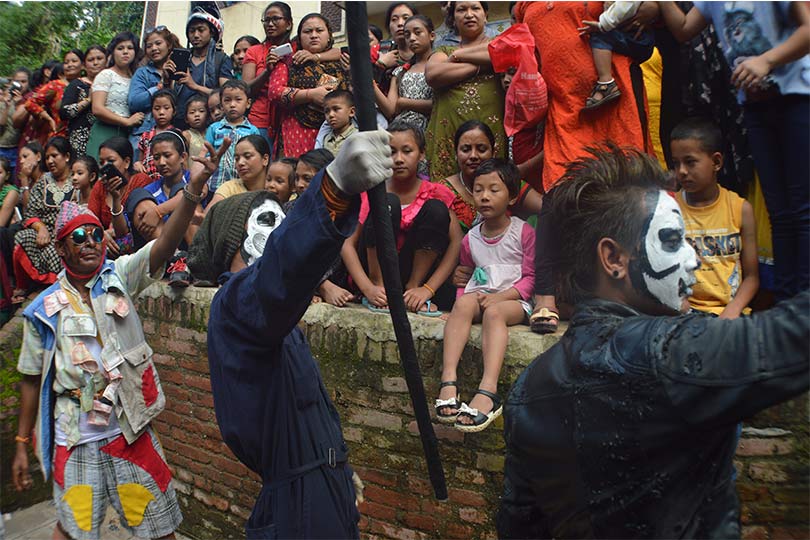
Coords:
pixel 109 171
pixel 344 50
pixel 16 86
pixel 182 60
pixel 386 45
pixel 282 50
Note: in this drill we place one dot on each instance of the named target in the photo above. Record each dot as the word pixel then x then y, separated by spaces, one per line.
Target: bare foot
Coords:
pixel 334 294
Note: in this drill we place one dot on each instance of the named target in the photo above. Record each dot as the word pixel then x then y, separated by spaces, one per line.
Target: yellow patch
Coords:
pixel 80 500
pixel 134 500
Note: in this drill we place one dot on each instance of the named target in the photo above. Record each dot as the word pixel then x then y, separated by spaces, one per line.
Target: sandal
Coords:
pixel 452 402
pixel 609 92
pixel 544 321
pixel 427 311
pixel 372 308
pixel 480 420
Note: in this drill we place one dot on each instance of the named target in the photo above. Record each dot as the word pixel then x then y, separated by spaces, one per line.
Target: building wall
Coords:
pixel 357 354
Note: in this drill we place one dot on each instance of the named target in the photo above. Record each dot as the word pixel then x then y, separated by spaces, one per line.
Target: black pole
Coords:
pixel 362 77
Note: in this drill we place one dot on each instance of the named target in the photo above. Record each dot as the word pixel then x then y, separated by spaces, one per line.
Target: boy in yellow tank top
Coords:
pixel 719 223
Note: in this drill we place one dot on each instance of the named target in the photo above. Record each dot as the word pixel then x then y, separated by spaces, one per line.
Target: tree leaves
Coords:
pixel 34 32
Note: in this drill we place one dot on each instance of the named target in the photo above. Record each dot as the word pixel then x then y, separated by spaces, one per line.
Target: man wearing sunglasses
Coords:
pixel 90 388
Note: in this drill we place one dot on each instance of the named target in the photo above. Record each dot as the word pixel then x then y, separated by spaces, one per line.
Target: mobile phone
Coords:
pixel 181 59
pixel 17 214
pixel 16 86
pixel 386 45
pixel 109 171
pixel 282 50
pixel 344 50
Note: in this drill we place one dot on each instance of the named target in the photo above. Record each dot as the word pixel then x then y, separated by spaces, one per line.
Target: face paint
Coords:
pixel 665 268
pixel 263 220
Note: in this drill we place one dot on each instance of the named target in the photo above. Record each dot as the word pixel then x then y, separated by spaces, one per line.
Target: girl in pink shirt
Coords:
pixel 501 249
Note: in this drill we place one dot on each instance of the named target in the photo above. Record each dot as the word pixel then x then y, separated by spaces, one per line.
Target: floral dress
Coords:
pixel 412 86
pixel 299 123
pixel 48 98
pixel 31 262
pixel 479 98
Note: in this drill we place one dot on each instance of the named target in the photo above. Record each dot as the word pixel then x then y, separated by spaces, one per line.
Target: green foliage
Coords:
pixel 34 32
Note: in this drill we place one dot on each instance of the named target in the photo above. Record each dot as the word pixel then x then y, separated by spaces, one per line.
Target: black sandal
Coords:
pixel 480 420
pixel 442 403
pixel 609 92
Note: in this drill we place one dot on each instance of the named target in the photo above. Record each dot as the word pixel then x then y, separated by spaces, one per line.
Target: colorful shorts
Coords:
pixel 134 478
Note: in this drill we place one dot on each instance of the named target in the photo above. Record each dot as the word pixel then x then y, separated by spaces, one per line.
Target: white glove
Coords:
pixel 363 161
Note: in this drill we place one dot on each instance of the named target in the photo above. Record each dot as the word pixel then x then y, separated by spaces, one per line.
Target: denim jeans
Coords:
pixel 779 133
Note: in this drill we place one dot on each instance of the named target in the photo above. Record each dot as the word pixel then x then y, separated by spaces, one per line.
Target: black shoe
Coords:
pixel 179 276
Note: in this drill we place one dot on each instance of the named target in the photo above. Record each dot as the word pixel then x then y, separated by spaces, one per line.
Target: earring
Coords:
pixel 615 273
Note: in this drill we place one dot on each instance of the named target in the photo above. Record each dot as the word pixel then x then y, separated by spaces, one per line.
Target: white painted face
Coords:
pixel 263 220
pixel 668 262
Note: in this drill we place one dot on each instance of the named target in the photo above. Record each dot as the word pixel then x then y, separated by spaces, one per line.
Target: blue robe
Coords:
pixel 273 410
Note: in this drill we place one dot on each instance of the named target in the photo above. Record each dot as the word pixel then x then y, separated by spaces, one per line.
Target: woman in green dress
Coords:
pixel 465 88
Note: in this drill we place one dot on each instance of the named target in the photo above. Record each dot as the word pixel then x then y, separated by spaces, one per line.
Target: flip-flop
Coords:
pixel 428 313
pixel 372 308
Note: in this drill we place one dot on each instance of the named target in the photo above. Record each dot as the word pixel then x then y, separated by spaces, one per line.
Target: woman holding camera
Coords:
pixel 76 100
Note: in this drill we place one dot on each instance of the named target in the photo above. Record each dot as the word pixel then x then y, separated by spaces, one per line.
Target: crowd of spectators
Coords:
pixel 114 128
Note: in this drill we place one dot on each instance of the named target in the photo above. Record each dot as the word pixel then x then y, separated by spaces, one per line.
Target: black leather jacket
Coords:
pixel 627 427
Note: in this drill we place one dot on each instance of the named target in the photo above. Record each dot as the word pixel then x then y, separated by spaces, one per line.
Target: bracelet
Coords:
pixel 429 288
pixel 24 440
pixel 25 188
pixel 116 214
pixel 189 196
pixel 318 56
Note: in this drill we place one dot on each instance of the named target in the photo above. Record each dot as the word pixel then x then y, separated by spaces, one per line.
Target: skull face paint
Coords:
pixel 665 267
pixel 263 220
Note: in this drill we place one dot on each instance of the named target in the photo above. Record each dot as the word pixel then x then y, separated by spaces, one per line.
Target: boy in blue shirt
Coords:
pixel 234 125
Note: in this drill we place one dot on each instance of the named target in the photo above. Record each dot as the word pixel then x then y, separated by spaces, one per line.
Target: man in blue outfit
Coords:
pixel 272 407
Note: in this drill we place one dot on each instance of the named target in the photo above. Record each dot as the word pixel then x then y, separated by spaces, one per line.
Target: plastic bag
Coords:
pixel 527 96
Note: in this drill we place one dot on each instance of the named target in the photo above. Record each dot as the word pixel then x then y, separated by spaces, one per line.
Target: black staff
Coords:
pixel 357 30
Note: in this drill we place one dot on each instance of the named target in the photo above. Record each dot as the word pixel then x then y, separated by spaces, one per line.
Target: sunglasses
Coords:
pixel 160 28
pixel 79 236
pixel 274 20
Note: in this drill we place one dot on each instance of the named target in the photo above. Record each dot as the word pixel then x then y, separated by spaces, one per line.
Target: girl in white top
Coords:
pixel 501 249
pixel 110 91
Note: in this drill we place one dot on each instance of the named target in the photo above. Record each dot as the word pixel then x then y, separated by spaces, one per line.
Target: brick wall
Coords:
pixel 360 366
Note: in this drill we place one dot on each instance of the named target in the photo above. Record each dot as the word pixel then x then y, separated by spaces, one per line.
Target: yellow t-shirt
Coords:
pixel 714 232
pixel 653 70
pixel 231 188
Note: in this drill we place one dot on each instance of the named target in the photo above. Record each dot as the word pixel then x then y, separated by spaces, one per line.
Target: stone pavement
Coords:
pixel 37 523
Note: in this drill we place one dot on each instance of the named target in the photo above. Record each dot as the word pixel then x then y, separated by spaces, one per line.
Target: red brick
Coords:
pixel 447 433
pixel 436 508
pixel 182 347
pixel 205 414
pixel 767 472
pixel 173 419
pixel 210 500
pixel 192 336
pixel 194 364
pixel 363 524
pixel 377 419
pixel 203 399
pixel 419 485
pixel 164 360
pixel 458 531
pixel 394 384
pixel 790 533
pixel 764 447
pixel 175 394
pixel 228 465
pixel 754 533
pixel 471 476
pixel 170 376
pixel 390 498
pixel 468 498
pixel 421 522
pixel 377 477
pixel 393 531
pixel 473 515
pixel 379 511
pixel 193 453
pixel 197 381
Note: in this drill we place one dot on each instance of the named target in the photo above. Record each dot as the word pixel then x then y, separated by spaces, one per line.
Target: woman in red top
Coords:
pixel 259 63
pixel 45 103
pixel 116 151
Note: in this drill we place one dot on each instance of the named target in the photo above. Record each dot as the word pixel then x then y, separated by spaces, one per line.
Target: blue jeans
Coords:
pixel 779 133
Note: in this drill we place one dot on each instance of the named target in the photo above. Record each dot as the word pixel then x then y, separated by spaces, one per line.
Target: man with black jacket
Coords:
pixel 627 428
